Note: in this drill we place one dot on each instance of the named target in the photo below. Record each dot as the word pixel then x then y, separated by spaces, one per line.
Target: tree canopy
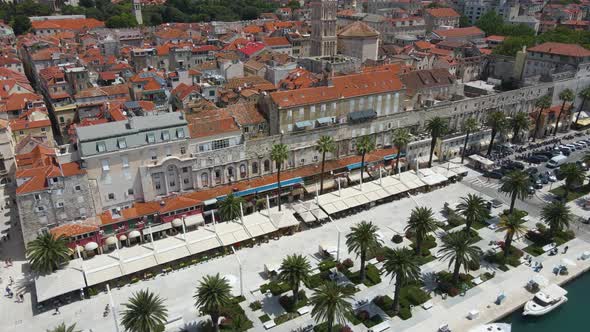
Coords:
pixel 513 43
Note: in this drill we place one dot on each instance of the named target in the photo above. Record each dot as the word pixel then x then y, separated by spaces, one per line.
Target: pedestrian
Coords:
pixel 8 236
pixel 10 281
pixel 9 261
pixel 565 249
pixel 21 296
pixel 57 310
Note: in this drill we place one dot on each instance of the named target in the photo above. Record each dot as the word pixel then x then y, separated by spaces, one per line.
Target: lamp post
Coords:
pixel 240 265
pixel 113 308
pixel 338 244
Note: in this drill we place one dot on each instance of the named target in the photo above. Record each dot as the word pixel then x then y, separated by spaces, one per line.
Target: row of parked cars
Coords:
pixel 558 155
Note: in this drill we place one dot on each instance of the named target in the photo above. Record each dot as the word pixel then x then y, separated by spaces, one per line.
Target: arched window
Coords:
pixel 205 180
pixel 242 171
pixel 267 165
pixel 254 168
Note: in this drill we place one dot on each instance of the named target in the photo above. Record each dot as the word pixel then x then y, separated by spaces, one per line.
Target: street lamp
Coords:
pixel 113 308
pixel 240 265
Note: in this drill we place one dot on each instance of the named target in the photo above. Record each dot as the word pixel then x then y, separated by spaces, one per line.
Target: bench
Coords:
pixel 427 305
pixel 303 310
pixel 270 324
pixel 380 327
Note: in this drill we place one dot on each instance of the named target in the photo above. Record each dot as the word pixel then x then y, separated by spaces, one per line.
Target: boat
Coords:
pixel 494 327
pixel 545 301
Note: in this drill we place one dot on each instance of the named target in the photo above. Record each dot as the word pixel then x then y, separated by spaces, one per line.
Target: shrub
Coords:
pixel 276 288
pixel 285 317
pixel 348 263
pixel 372 274
pixel 315 281
pixel 256 305
pixel 362 315
pixel 264 318
pixel 397 239
pixel 405 313
pixel 286 301
pixel 473 265
pixel 415 295
pixel 327 265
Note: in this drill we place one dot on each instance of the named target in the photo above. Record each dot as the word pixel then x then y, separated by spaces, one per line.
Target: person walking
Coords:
pixel 565 249
pixel 57 310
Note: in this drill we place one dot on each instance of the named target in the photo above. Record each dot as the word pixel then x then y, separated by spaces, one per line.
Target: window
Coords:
pixel 59 204
pixel 151 138
pixel 220 144
pixel 124 161
pixel 62 119
pixel 130 191
pixel 185 170
pixel 121 143
pixel 77 188
pixel 242 171
pixel 158 186
pixel 37 197
pixel 101 147
pixel 105 165
pixel 154 154
pixel 111 196
pixel 183 150
pixel 212 93
pixel 185 181
pixel 165 135
pixel 40 208
pixel 255 167
pixel 204 179
pixel 180 133
pixel 168 151
pixel 20 132
pixel 267 165
pixel 43 129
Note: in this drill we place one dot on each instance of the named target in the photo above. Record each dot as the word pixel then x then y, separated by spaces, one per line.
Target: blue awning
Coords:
pixel 393 156
pixel 354 166
pixel 265 188
pixel 303 124
pixel 326 120
pixel 362 115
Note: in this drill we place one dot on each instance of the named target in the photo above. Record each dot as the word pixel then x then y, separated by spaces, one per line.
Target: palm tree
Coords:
pixel 469 126
pixel 213 294
pixel 362 238
pixel 331 304
pixel 573 175
pixel 365 145
pixel 145 312
pixel 585 95
pixel 458 247
pixel 541 104
pixel 400 264
pixel 512 224
pixel 324 145
pixel 566 96
pixel 294 270
pixel 421 223
pixel 230 207
pixel 279 154
pixel 519 122
pixel 557 215
pixel 63 328
pixel 401 138
pixel 497 121
pixel 515 184
pixel 437 127
pixel 473 208
pixel 47 252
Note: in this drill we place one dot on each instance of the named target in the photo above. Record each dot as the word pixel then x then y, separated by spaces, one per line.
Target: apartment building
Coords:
pixel 548 58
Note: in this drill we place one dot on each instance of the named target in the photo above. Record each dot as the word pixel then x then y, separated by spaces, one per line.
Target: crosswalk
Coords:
pixel 484 182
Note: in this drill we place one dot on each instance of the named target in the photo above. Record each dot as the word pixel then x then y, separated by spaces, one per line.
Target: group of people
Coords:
pixel 20 297
pixel 8 262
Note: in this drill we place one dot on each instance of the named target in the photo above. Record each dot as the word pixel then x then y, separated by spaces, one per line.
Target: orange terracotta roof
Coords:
pixel 22 124
pixel 572 50
pixel 74 229
pixel 245 113
pixel 460 32
pixel 442 12
pixel 358 29
pixel 203 126
pixel 496 38
pixel 75 24
pixel 424 45
pixel 276 41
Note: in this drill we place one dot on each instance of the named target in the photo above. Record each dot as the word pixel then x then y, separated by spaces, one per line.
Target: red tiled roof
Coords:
pixel 203 126
pixel 442 12
pixel 496 38
pixel 572 50
pixel 459 32
pixel 70 230
pixel 276 41
pixel 252 48
pixel 75 24
pixel 423 45
pixel 21 124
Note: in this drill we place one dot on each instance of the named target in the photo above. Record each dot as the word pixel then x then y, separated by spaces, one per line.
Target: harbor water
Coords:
pixel 569 317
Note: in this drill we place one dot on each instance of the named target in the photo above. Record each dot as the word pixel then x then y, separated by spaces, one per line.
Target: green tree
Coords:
pixel 401 138
pixel 566 96
pixel 512 44
pixel 541 104
pixel 213 294
pixel 331 304
pixel 47 252
pixel 491 23
pixel 557 215
pixel 21 24
pixel 364 145
pixel 294 270
pixel 585 95
pixel 361 239
pixel 458 247
pixel 145 312
pixel 470 125
pixel 421 223
pixel 513 225
pixel 519 122
pixel 230 207
pixel 279 155
pixel 63 328
pixel 464 21
pixel 437 127
pixel 400 264
pixel 516 185
pixel 497 122
pixel 473 208
pixel 573 174
pixel 293 4
pixel 324 145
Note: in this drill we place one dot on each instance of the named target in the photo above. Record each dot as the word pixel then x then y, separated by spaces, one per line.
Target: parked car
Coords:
pixel 537 159
pixel 532 170
pixel 556 161
pixel 550 176
pixel 566 151
pixel 531 190
pixel 494 174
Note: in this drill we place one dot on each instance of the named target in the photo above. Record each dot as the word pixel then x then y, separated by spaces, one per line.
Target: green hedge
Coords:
pixel 327 265
pixel 415 295
pixel 285 317
pixel 286 301
pixel 276 288
pixel 323 327
pixel 264 318
pixel 372 274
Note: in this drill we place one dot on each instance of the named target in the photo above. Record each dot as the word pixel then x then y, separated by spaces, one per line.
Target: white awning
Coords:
pixel 134 234
pixel 195 219
pixel 481 160
pixel 123 237
pixel 110 240
pixel 307 217
pixel 153 229
pixel 67 279
pixel 176 222
pixel 90 246
pixel 319 214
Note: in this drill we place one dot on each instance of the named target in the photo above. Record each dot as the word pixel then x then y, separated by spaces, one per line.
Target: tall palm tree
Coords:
pixel 437 127
pixel 229 208
pixel 585 95
pixel 294 270
pixel 519 122
pixel 515 184
pixel 541 104
pixel 361 239
pixel 473 208
pixel 497 122
pixel 401 139
pixel 331 304
pixel 213 294
pixel 458 247
pixel 573 174
pixel 47 252
pixel 566 96
pixel 63 328
pixel 469 127
pixel 513 225
pixel 557 215
pixel 279 154
pixel 421 223
pixel 324 145
pixel 145 312
pixel 364 145
pixel 400 264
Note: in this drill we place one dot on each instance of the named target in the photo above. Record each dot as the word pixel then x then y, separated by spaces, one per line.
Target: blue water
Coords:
pixel 572 316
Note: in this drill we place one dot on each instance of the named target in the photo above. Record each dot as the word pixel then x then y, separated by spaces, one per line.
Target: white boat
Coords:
pixel 545 301
pixel 494 327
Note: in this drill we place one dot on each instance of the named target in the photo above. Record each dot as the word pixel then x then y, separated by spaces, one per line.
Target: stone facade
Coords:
pixel 323 27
